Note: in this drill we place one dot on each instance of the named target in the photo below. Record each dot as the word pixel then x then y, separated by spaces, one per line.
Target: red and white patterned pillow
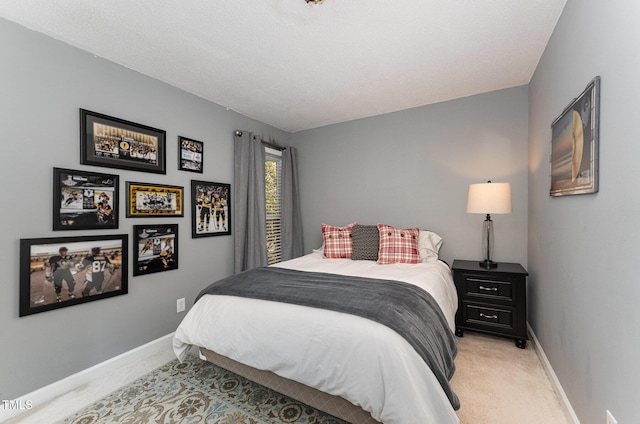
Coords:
pixel 398 246
pixel 337 241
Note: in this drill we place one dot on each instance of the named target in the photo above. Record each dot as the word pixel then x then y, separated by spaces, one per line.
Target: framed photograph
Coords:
pixel 84 200
pixel 116 143
pixel 156 248
pixel 154 200
pixel 190 154
pixel 211 209
pixel 574 145
pixel 65 271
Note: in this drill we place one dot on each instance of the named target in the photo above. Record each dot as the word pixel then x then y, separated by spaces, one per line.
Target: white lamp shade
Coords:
pixel 489 198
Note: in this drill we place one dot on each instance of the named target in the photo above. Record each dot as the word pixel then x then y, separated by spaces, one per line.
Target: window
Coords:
pixel 273 190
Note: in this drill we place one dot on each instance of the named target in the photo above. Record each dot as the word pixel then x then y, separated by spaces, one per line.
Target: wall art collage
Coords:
pixel 56 272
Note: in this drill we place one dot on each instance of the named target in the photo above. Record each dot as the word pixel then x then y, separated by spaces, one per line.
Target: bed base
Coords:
pixel 334 405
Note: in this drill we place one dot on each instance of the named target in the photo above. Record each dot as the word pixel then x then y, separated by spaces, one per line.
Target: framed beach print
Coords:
pixel 574 145
pixel 66 271
pixel 154 200
pixel 84 200
pixel 116 143
pixel 211 209
pixel 156 248
pixel 190 154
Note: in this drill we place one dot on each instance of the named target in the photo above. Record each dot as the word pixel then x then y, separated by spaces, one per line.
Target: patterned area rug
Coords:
pixel 200 392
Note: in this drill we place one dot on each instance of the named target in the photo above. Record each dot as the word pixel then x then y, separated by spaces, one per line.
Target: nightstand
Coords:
pixel 493 300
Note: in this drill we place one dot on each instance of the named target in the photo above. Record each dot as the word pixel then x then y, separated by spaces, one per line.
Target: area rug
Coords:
pixel 197 391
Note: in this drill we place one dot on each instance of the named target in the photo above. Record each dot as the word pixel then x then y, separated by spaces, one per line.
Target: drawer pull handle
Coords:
pixel 488 316
pixel 488 288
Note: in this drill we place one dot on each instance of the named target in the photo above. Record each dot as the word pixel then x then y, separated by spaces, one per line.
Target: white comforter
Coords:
pixel 345 355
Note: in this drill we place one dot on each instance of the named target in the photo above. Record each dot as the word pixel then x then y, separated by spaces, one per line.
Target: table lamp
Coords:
pixel 488 198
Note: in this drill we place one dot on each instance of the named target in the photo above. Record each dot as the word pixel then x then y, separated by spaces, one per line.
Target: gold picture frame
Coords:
pixel 154 200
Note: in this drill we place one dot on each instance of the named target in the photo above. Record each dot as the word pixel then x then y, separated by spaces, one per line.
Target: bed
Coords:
pixel 347 365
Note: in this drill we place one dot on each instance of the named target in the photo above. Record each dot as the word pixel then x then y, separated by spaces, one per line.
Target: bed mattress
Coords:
pixel 364 362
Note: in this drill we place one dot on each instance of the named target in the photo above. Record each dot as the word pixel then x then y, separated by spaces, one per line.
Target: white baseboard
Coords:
pixel 552 375
pixel 53 390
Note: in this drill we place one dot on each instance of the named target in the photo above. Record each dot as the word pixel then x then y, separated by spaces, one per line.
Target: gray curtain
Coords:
pixel 250 244
pixel 291 224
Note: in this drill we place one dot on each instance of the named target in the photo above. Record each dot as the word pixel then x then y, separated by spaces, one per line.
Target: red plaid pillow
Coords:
pixel 398 246
pixel 337 241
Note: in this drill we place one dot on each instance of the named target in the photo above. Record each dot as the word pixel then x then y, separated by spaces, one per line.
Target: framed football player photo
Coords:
pixel 84 200
pixel 211 209
pixel 156 248
pixel 66 271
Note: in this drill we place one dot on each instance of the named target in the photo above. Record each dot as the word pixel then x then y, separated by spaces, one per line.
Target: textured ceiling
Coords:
pixel 298 66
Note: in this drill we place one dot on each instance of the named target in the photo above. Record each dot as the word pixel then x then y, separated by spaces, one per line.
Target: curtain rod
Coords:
pixel 265 142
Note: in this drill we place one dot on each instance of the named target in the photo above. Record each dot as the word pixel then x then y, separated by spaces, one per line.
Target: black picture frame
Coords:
pixel 154 200
pixel 115 143
pixel 208 216
pixel 575 144
pixel 156 248
pixel 53 278
pixel 190 155
pixel 84 200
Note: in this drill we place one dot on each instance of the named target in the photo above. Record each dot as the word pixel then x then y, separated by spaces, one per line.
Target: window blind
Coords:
pixel 273 192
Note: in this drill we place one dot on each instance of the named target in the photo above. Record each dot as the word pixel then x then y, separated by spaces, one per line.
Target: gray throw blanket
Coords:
pixel 407 309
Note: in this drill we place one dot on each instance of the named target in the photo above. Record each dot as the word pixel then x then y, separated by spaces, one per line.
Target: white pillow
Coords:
pixel 428 246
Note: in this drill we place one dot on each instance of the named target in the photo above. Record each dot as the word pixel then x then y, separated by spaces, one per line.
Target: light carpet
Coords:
pixel 497 383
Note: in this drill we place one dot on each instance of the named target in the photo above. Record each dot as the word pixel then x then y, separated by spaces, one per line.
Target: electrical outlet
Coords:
pixel 180 305
pixel 610 419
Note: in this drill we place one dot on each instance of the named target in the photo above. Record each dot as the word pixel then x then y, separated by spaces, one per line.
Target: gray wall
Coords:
pixel 583 250
pixel 413 168
pixel 43 84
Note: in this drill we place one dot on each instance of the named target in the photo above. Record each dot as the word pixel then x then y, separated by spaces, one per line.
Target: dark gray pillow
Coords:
pixel 366 241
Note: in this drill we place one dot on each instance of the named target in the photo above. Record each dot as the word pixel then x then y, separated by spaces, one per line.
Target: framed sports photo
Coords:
pixel 116 143
pixel 66 271
pixel 575 144
pixel 154 200
pixel 156 248
pixel 84 200
pixel 190 154
pixel 211 209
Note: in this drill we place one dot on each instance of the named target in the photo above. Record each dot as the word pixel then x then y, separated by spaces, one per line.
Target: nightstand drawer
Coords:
pixel 495 318
pixel 476 286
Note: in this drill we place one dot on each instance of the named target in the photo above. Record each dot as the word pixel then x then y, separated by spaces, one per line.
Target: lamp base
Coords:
pixel 488 264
